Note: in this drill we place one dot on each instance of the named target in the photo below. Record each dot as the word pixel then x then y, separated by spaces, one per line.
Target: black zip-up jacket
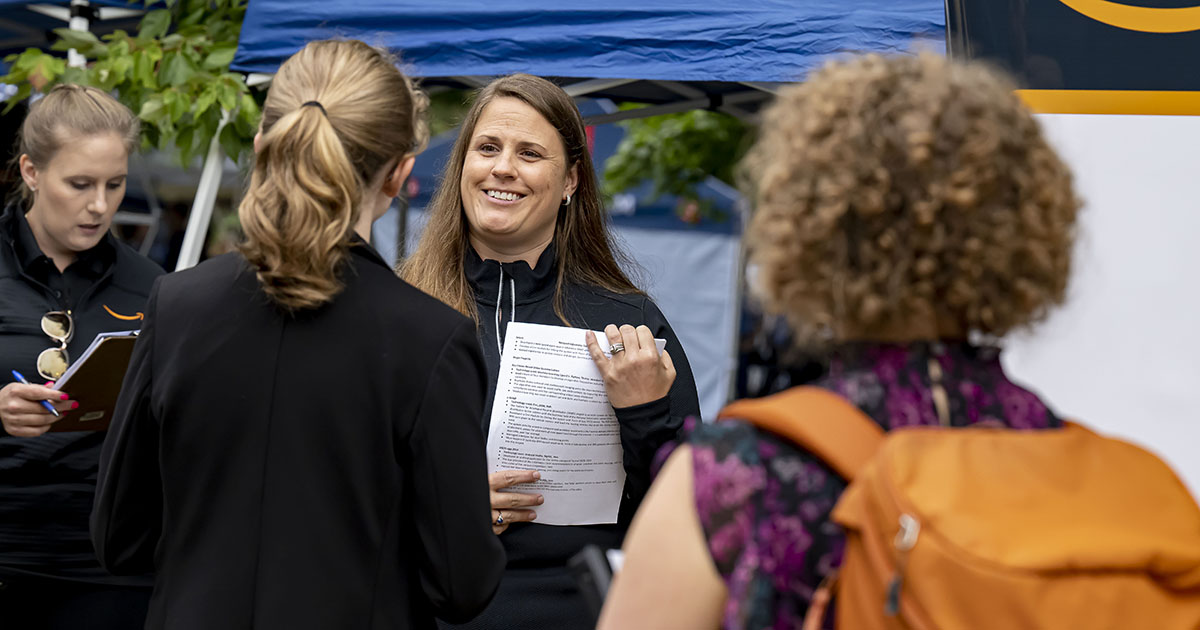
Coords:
pixel 537 590
pixel 47 482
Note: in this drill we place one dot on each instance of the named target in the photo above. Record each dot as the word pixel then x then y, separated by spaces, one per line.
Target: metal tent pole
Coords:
pixel 80 12
pixel 202 206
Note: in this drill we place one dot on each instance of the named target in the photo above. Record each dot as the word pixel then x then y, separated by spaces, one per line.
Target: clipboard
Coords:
pixel 94 381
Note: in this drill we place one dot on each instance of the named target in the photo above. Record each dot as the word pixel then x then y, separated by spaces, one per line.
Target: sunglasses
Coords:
pixel 52 362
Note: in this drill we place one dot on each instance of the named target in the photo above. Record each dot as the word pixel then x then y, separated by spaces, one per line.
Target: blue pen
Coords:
pixel 45 403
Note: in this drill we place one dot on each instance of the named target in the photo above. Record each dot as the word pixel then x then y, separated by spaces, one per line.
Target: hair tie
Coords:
pixel 318 106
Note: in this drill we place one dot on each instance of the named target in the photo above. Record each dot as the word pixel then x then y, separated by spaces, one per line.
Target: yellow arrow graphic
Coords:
pixel 1133 18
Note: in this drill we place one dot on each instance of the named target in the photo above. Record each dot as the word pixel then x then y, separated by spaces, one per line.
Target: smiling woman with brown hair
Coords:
pixel 517 233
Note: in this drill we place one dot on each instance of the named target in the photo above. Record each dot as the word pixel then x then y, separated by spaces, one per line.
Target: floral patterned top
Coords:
pixel 764 504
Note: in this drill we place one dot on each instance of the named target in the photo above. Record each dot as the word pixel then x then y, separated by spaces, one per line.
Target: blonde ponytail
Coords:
pixel 338 113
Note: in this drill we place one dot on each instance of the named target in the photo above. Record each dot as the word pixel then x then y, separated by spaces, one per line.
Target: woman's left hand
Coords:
pixel 636 375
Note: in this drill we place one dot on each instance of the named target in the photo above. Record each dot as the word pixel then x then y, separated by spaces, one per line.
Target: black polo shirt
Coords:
pixel 47 482
pixel 69 285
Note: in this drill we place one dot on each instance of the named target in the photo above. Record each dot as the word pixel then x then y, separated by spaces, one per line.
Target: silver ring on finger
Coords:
pixel 616 347
pixel 499 517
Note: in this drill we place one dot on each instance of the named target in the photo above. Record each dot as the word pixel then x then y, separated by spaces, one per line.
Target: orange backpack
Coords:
pixel 979 529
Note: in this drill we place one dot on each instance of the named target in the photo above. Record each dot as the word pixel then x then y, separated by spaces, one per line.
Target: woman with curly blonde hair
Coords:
pixel 907 208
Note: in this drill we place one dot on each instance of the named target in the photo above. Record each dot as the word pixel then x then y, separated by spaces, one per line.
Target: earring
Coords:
pixel 567 201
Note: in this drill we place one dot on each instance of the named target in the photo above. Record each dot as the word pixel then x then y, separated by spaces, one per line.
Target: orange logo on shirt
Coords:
pixel 128 318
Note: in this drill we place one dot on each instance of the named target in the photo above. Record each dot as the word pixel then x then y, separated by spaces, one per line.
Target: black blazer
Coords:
pixel 318 471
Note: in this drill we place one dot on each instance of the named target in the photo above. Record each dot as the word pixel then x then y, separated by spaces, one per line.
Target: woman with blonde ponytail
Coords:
pixel 296 444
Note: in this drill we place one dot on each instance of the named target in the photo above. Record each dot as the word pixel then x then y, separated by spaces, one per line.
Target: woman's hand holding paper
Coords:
pixel 512 507
pixel 636 375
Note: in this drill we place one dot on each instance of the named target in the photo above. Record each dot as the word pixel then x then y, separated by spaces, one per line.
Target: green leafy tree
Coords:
pixel 675 152
pixel 447 108
pixel 174 72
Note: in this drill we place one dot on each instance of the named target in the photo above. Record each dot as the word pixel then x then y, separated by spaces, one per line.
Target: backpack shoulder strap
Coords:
pixel 818 420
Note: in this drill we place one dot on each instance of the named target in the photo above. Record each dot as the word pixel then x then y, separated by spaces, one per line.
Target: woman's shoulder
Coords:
pixel 733 440
pixel 762 502
pixel 133 271
pixel 600 295
pixel 764 505
pixel 634 308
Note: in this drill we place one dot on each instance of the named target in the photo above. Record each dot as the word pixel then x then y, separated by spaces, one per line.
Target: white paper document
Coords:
pixel 551 414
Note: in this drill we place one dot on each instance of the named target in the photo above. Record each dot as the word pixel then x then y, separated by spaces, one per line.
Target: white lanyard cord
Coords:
pixel 512 316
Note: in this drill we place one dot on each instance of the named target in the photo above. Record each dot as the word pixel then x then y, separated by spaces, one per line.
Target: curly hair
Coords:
pixel 907 193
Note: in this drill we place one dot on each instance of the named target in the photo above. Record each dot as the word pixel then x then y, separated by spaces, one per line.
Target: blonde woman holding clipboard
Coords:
pixel 63 279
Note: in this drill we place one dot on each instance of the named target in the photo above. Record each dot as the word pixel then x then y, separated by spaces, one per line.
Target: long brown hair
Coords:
pixel 585 251
pixel 338 112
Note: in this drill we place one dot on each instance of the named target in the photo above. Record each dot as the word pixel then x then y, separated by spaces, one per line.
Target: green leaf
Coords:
pixel 155 24
pixel 231 143
pixel 118 46
pixel 76 75
pixel 228 93
pixel 221 56
pixel 176 69
pixel 194 141
pixel 152 110
pixel 202 138
pixel 45 70
pixel 84 42
pixel 177 104
pixel 154 51
pixel 143 69
pixel 165 135
pixel 121 66
pixel 249 113
pixel 195 18
pixel 205 100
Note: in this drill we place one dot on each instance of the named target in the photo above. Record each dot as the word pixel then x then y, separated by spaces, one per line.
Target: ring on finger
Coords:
pixel 616 347
pixel 499 518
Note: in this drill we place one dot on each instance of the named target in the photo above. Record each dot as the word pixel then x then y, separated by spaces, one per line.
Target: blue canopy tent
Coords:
pixel 672 54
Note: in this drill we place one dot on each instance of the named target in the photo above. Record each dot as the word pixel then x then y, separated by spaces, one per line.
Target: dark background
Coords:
pixel 1047 45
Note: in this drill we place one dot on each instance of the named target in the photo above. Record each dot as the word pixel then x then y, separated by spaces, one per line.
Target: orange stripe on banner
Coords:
pixel 1135 18
pixel 1161 103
